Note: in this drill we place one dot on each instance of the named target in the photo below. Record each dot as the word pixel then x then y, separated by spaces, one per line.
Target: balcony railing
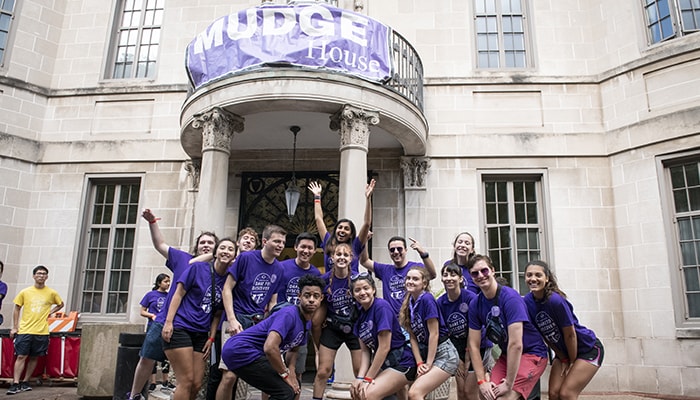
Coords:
pixel 408 71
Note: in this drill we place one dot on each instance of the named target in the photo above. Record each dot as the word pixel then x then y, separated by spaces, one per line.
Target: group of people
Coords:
pixel 249 316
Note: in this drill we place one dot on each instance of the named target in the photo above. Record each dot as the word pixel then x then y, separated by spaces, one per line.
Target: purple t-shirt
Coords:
pixel 378 318
pixel 553 314
pixel 512 309
pixel 3 292
pixel 178 262
pixel 256 282
pixel 196 308
pixel 289 285
pixel 338 296
pixel 468 281
pixel 154 302
pixel 455 313
pixel 394 282
pixel 245 347
pixel 423 309
pixel 357 248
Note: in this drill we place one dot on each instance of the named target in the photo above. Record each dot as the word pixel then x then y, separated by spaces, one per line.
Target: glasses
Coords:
pixel 363 274
pixel 484 271
pixel 41 273
pixel 395 249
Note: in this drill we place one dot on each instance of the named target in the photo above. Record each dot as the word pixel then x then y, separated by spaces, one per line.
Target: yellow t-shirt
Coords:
pixel 36 305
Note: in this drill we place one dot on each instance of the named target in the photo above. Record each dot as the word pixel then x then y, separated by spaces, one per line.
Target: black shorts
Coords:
pixel 333 338
pixel 185 338
pixel 595 355
pixel 31 345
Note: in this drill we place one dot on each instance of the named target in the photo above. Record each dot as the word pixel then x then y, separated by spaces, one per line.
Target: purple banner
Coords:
pixel 316 36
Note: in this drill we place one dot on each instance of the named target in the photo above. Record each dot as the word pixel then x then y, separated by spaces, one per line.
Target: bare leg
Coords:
pixel 326 357
pixel 141 374
pixel 225 389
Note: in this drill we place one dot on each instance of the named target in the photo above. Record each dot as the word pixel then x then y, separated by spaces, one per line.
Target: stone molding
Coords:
pixel 353 124
pixel 415 170
pixel 194 170
pixel 218 127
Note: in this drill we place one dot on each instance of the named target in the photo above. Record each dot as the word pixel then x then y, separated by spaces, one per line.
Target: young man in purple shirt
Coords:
pixel 393 276
pixel 250 290
pixel 254 354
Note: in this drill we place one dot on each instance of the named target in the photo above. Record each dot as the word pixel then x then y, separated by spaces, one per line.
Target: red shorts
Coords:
pixel 529 372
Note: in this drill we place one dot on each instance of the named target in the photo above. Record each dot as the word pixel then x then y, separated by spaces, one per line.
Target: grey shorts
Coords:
pixel 446 357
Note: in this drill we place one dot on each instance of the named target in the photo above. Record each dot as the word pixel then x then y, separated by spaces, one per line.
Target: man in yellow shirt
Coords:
pixel 32 336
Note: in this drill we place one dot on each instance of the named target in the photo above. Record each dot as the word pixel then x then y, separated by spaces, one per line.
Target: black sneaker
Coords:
pixel 151 387
pixel 14 389
pixel 24 386
pixel 137 396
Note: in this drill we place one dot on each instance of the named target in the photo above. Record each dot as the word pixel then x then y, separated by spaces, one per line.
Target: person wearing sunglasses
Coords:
pixel 578 352
pixel 502 312
pixel 436 356
pixel 454 305
pixel 340 318
pixel 387 363
pixel 393 276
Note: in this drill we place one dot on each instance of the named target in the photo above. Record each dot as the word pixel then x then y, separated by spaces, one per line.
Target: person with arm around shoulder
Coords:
pixel 31 334
pixel 501 311
pixel 578 352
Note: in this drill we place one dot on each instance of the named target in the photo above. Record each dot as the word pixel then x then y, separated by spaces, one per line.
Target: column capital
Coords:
pixel 353 124
pixel 218 127
pixel 415 170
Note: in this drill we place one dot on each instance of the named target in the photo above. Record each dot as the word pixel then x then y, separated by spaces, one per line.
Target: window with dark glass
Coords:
pixel 514 225
pixel 6 15
pixel 136 39
pixel 667 19
pixel 109 247
pixel 500 34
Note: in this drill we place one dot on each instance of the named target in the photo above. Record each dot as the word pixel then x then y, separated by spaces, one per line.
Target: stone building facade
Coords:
pixel 562 130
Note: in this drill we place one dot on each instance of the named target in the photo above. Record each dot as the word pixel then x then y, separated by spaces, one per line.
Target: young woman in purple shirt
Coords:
pixel 578 352
pixel 387 362
pixel 187 331
pixel 502 311
pixel 463 250
pixel 436 356
pixel 337 328
pixel 454 305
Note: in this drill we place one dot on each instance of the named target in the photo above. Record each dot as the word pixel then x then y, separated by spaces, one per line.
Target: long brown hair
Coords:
pixel 470 255
pixel 404 313
pixel 551 286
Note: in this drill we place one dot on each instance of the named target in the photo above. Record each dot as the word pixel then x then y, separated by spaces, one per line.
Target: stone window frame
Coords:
pixel 668 19
pixel 687 325
pixel 491 229
pixel 131 39
pixel 8 12
pixel 114 292
pixel 491 24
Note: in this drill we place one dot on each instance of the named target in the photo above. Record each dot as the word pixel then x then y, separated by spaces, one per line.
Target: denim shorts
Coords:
pixel 446 357
pixel 152 347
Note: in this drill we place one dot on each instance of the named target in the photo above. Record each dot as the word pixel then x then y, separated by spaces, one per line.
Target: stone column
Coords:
pixel 415 171
pixel 218 127
pixel 353 124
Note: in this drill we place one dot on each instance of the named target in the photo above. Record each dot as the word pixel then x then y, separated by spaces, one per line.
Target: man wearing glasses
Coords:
pixel 32 333
pixel 394 275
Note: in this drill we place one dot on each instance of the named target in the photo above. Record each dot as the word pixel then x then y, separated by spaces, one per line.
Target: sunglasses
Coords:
pixel 484 271
pixel 360 275
pixel 395 249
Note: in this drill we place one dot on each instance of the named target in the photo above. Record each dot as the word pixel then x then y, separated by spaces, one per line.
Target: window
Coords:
pixel 667 19
pixel 6 15
pixel 113 210
pixel 500 34
pixel 136 39
pixel 685 188
pixel 514 225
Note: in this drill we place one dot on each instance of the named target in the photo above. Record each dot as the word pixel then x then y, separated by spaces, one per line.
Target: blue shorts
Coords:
pixel 31 345
pixel 152 347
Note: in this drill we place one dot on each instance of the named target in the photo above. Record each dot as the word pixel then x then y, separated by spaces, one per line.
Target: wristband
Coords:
pixel 368 379
pixel 317 197
pixel 362 378
pixel 317 200
pixel 154 221
pixel 285 374
pixel 424 255
pixel 211 339
pixel 564 360
pixel 481 382
pixel 419 363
